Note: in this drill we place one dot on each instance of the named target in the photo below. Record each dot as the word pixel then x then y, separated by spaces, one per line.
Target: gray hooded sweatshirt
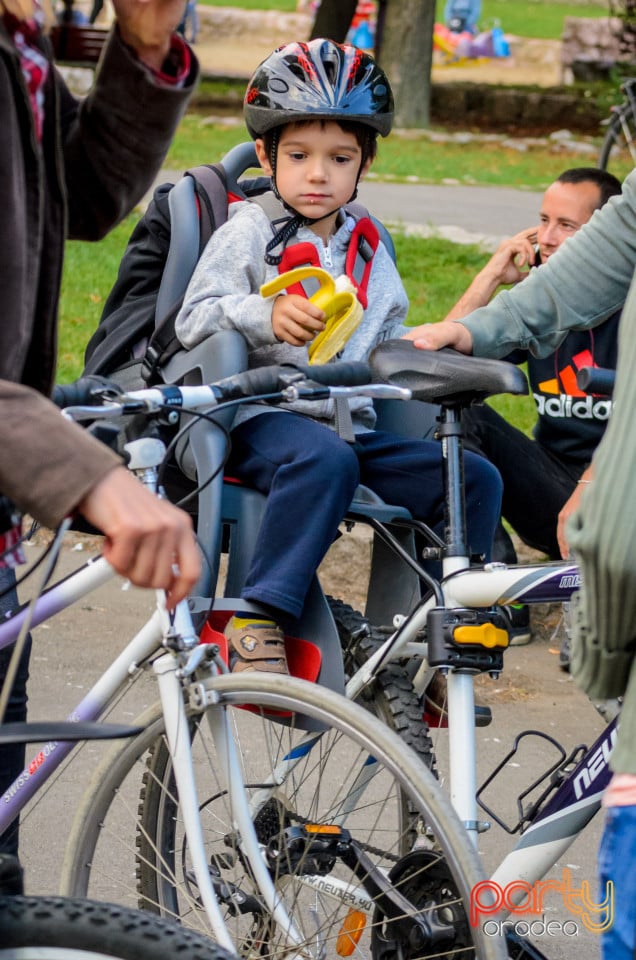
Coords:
pixel 224 294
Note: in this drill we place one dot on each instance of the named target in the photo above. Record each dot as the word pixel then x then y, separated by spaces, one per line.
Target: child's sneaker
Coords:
pixel 519 632
pixel 255 645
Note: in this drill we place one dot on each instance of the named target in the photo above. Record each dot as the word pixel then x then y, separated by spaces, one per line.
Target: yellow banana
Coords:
pixel 336 298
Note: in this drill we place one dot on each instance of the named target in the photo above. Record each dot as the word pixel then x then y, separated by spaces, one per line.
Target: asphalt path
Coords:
pixel 460 213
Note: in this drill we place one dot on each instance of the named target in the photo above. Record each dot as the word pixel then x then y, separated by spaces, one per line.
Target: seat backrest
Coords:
pixel 197 208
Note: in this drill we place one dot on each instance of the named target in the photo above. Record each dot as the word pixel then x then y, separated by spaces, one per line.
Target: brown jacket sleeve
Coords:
pixel 47 464
pixel 115 140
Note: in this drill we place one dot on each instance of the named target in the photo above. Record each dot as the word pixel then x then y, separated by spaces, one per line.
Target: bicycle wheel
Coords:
pixel 391 696
pixel 338 838
pixel 57 928
pixel 618 151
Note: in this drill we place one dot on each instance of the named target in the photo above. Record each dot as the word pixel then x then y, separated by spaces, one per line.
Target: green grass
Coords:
pixel 411 156
pixel 535 18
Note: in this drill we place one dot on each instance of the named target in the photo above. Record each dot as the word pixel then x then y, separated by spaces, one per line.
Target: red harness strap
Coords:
pixel 362 246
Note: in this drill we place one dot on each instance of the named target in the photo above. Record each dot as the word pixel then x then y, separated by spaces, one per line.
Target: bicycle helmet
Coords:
pixel 320 80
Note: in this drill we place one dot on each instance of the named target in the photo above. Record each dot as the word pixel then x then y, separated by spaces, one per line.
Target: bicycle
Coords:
pixel 618 149
pixel 329 846
pixel 466 600
pixel 59 927
pixel 460 630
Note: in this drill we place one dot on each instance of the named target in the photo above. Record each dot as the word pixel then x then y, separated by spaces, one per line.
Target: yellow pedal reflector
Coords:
pixel 350 933
pixel 486 634
pixel 336 298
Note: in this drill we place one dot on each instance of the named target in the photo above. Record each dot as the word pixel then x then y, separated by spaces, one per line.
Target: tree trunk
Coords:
pixel 333 19
pixel 406 53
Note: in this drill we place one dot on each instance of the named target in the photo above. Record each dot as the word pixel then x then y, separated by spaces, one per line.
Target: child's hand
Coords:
pixel 296 320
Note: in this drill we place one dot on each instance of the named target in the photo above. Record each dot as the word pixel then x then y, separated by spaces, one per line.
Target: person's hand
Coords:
pixel 148 540
pixel 148 25
pixel 513 258
pixel 446 333
pixel 568 508
pixel 296 320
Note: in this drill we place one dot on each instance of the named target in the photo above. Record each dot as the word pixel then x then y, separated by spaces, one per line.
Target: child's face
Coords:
pixel 317 166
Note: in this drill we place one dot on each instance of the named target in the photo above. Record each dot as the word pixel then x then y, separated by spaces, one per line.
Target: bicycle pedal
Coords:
pixel 435 712
pixel 483 717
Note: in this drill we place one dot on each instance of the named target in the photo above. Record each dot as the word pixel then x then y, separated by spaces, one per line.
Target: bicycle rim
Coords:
pixel 57 928
pixel 332 835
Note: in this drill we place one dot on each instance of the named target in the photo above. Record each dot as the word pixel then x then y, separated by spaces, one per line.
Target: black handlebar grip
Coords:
pixel 82 392
pixel 342 374
pixel 249 383
pixel 264 380
pixel 599 380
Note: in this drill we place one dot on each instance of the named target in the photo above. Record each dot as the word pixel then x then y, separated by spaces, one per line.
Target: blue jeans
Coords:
pixel 532 496
pixel 310 474
pixel 617 856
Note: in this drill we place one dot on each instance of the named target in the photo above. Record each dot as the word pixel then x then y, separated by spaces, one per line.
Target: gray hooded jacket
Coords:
pixel 224 294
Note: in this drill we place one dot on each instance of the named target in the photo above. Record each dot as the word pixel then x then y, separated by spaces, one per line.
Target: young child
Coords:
pixel 314 110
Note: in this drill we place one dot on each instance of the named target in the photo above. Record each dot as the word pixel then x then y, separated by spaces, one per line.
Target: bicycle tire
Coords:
pixel 391 696
pixel 59 928
pixel 446 862
pixel 618 150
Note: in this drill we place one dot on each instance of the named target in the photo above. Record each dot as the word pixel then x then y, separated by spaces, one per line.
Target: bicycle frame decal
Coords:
pixel 589 778
pixel 502 584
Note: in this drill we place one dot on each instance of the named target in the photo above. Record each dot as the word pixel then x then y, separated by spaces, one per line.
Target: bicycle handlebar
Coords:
pixel 270 379
pixel 84 399
pixel 84 391
pixel 596 380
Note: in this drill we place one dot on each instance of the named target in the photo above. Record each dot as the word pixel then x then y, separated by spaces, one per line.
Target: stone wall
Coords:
pixel 589 47
pixel 270 26
pixel 518 111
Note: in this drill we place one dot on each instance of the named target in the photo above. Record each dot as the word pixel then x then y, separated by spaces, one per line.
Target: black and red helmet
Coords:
pixel 320 80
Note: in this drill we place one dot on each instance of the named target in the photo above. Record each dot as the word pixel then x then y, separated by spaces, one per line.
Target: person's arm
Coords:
pixel 508 265
pixel 148 28
pixel 580 286
pixel 115 140
pixel 602 537
pixel 570 506
pixel 52 468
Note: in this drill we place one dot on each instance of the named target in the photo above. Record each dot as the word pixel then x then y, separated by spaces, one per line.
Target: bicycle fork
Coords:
pixel 178 734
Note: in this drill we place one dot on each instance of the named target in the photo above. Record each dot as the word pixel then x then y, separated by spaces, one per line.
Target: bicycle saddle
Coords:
pixel 444 376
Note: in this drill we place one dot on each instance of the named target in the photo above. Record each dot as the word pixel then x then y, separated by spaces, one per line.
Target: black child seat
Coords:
pixel 135 344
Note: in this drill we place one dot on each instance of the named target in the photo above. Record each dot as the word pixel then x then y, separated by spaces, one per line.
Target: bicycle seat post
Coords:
pixel 455 535
pixel 461 696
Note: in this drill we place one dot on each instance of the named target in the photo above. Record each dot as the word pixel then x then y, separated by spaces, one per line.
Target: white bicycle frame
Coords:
pixel 558 824
pixel 461 588
pixel 173 672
